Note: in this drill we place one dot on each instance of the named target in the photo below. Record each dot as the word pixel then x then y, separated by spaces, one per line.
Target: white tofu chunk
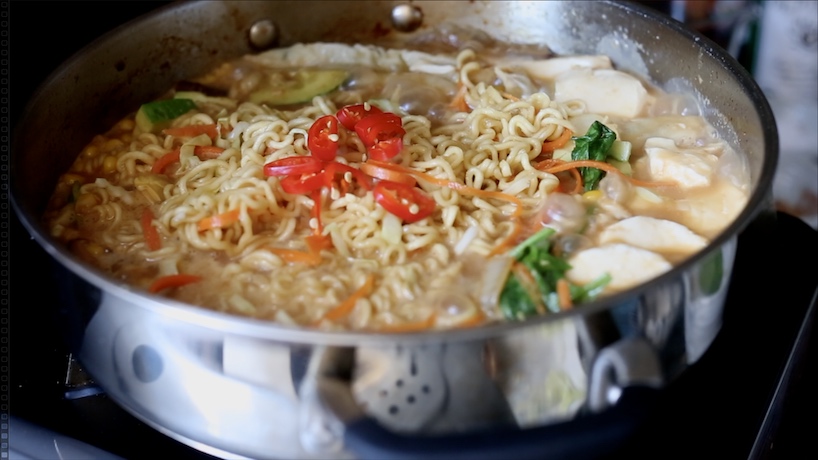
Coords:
pixel 686 168
pixel 709 214
pixel 551 68
pixel 658 235
pixel 628 266
pixel 604 91
pixel 683 130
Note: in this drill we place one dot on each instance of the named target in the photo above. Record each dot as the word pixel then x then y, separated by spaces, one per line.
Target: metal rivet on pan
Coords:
pixel 262 34
pixel 407 18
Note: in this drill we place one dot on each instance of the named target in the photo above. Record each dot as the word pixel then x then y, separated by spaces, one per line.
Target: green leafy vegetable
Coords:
pixel 594 145
pixel 532 283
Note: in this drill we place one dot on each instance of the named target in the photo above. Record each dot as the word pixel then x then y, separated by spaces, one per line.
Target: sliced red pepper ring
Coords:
pixel 409 203
pixel 386 150
pixel 300 184
pixel 299 164
pixel 350 115
pixel 335 168
pixel 379 127
pixel 322 138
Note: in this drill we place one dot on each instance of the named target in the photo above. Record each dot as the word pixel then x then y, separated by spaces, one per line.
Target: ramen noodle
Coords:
pixel 354 187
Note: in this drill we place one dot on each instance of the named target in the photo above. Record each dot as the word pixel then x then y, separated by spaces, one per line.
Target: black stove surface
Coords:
pixel 746 397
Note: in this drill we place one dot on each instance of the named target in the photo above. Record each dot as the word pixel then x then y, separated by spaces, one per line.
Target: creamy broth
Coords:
pixel 485 142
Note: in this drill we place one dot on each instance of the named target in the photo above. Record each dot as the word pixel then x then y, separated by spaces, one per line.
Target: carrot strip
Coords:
pixel 564 294
pixel 152 238
pixel 165 160
pixel 509 241
pixel 205 152
pixel 579 187
pixel 345 307
pixel 465 189
pixel 459 100
pixel 171 281
pixel 296 256
pixel 550 146
pixel 312 256
pixel 551 166
pixel 212 131
pixel 387 174
pixel 475 320
pixel 219 220
pixel 316 243
pixel 528 283
pixel 408 327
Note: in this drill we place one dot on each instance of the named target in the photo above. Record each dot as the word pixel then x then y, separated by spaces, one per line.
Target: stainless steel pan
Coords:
pixel 239 387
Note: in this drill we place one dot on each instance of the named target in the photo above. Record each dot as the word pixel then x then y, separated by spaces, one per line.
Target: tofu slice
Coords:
pixel 668 163
pixel 657 235
pixel 551 68
pixel 604 91
pixel 628 266
pixel 709 214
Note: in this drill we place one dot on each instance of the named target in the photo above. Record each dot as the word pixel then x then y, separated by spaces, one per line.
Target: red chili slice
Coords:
pixel 322 138
pixel 401 200
pixel 301 184
pixel 379 127
pixel 293 165
pixel 386 150
pixel 335 168
pixel 352 114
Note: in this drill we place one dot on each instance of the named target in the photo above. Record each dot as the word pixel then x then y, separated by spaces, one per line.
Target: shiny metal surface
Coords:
pixel 238 387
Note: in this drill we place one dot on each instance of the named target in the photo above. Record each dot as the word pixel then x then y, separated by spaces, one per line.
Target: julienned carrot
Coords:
pixel 346 307
pixel 171 281
pixel 459 100
pixel 152 238
pixel 296 256
pixel 165 160
pixel 312 256
pixel 415 326
pixel 466 190
pixel 462 188
pixel 509 241
pixel 550 146
pixel 212 131
pixel 529 284
pixel 205 152
pixel 550 166
pixel 475 320
pixel 390 175
pixel 317 243
pixel 219 220
pixel 564 294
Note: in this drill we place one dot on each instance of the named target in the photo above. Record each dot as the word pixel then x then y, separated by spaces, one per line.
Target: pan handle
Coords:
pixel 595 435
